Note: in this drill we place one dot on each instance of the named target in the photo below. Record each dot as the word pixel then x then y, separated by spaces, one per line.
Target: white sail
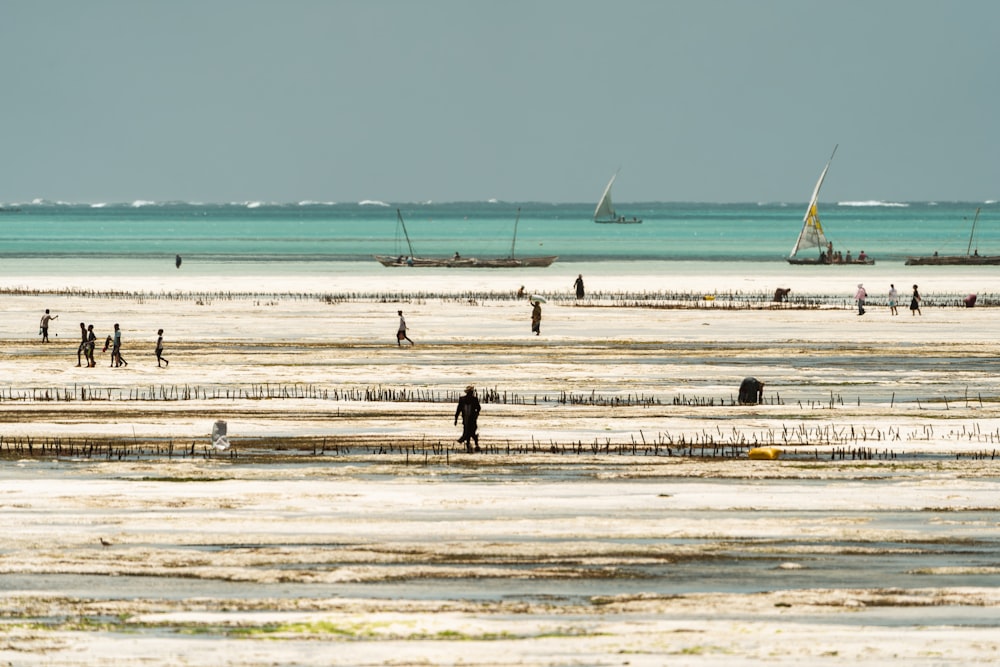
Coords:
pixel 604 210
pixel 812 235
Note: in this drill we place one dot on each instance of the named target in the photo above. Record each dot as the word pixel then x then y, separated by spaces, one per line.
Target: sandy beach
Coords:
pixel 613 518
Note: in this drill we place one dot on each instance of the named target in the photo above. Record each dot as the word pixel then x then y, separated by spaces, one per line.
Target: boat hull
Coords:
pixel 868 261
pixel 633 221
pixel 954 260
pixel 466 262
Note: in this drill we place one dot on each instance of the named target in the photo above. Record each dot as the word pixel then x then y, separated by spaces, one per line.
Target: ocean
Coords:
pixel 330 232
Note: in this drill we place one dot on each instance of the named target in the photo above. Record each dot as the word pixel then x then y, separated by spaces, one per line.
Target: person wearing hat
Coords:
pixel 861 295
pixel 468 407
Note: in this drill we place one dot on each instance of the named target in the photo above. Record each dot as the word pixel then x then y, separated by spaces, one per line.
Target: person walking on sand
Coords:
pixel 579 286
pixel 915 302
pixel 536 318
pixel 861 295
pixel 82 350
pixel 43 326
pixel 893 299
pixel 159 349
pixel 401 331
pixel 468 408
pixel 116 349
pixel 91 344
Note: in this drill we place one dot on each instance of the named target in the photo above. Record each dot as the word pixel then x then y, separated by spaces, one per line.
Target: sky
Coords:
pixel 518 100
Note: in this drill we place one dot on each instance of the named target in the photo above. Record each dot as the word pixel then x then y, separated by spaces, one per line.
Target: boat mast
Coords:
pixel 399 216
pixel 968 251
pixel 515 232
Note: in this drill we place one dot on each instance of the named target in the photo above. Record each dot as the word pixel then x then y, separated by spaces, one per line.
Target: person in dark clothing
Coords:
pixel 536 318
pixel 468 407
pixel 579 286
pixel 82 350
pixel 751 391
pixel 91 344
pixel 915 302
pixel 159 349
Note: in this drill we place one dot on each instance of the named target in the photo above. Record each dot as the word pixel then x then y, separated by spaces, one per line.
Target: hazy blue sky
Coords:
pixel 542 100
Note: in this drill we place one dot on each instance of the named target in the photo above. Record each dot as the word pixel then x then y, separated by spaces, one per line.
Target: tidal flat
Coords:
pixel 613 517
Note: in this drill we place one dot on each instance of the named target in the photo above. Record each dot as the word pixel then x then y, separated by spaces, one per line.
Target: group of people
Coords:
pixel 88 343
pixel 861 296
pixel 830 257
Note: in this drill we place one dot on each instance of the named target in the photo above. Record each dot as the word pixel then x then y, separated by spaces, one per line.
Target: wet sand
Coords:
pixel 613 518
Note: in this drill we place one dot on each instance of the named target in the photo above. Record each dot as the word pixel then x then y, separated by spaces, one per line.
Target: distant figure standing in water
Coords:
pixel 177 261
pixel 536 317
pixel 468 408
pixel 893 299
pixel 159 349
pixel 401 331
pixel 861 295
pixel 43 326
pixel 579 286
pixel 915 302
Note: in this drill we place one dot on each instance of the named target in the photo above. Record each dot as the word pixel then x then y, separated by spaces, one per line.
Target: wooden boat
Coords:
pixel 457 261
pixel 812 235
pixel 970 258
pixel 605 211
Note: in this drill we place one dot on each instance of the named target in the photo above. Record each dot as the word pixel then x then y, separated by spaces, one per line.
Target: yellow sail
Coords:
pixel 812 235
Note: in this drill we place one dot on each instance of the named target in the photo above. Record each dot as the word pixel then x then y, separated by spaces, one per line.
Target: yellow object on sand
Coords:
pixel 764 453
pixel 709 297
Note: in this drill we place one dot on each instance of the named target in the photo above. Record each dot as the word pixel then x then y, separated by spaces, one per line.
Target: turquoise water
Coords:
pixel 323 232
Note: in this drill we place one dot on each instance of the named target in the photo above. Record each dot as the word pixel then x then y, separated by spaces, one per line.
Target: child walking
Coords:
pixel 159 349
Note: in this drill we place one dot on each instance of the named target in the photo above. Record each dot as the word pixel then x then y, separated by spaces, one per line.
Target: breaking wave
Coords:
pixel 887 204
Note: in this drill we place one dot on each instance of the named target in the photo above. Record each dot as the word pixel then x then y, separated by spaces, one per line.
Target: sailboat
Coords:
pixel 605 211
pixel 812 235
pixel 970 258
pixel 511 261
